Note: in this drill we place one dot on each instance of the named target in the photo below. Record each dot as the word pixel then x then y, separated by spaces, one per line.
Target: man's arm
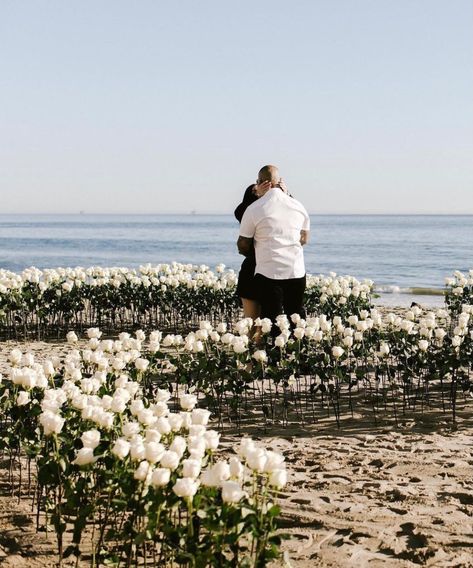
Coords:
pixel 247 232
pixel 304 237
pixel 245 245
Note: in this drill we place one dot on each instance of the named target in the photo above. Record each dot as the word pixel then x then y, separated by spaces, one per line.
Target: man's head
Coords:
pixel 269 173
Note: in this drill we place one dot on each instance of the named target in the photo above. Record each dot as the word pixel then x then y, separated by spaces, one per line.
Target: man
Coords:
pixel 279 226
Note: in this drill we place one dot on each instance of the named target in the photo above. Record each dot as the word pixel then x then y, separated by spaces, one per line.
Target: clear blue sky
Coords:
pixel 168 106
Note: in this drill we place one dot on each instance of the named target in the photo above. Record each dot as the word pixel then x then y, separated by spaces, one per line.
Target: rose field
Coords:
pixel 154 431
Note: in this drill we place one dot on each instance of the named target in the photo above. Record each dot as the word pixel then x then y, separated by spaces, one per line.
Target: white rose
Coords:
pixel 85 456
pixel 154 451
pixel 160 477
pixel 191 468
pixel 260 356
pixel 221 471
pixel 170 460
pixel 94 333
pixel 278 478
pixel 200 416
pixel 146 416
pixel 15 356
pixel 280 341
pixel 299 332
pixel 176 421
pixel 236 467
pixel 178 445
pixel 141 364
pixel 163 425
pixel 185 487
pixel 23 398
pixel 90 439
pixel 232 492
pixel 212 438
pixel 141 473
pixel 256 459
pixel 48 368
pixel 273 461
pixel 384 349
pixel 137 450
pixel 197 444
pixel 187 401
pixel 440 333
pixel 337 351
pixel 51 422
pixel 121 448
pixel 423 345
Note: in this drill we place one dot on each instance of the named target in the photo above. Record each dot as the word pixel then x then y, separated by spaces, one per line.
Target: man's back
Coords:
pixel 275 222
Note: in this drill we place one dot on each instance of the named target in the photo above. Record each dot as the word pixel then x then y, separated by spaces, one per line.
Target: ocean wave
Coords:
pixel 413 291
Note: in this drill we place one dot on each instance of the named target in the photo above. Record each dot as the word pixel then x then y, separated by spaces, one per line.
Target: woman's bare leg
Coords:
pixel 251 308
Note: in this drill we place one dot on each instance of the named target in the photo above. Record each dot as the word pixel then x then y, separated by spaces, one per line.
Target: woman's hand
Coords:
pixel 261 188
pixel 282 185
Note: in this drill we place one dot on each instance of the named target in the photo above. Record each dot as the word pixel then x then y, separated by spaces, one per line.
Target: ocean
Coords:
pixel 407 256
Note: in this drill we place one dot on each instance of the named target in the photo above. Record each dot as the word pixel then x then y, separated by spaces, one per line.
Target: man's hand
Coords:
pixel 245 245
pixel 304 237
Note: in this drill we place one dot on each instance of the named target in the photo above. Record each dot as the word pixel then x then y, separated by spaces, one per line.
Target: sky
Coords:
pixel 172 106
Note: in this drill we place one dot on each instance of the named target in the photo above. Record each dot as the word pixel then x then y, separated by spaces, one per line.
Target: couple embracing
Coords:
pixel 273 229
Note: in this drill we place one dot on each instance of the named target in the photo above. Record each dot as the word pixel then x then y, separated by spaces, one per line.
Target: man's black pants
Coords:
pixel 280 296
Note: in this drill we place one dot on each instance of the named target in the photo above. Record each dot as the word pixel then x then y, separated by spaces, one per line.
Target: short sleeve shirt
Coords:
pixel 275 223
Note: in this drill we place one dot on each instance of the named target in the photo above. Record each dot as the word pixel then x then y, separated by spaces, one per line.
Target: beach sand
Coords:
pixel 362 495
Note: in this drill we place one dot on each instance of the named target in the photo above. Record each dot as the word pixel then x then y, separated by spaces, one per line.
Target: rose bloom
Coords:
pixel 72 337
pixel 232 492
pixel 260 356
pixel 170 460
pixel 200 416
pixel 90 439
pixel 141 473
pixel 278 478
pixel 191 468
pixel 94 333
pixel 185 487
pixel 236 467
pixel 280 341
pixel 178 445
pixel 121 448
pixel 141 364
pixel 188 401
pixel 154 451
pixel 274 461
pixel 256 459
pixel 337 351
pixel 175 421
pixel 51 422
pixel 85 456
pixel 160 477
pixel 212 438
pixel 23 398
pixel 197 444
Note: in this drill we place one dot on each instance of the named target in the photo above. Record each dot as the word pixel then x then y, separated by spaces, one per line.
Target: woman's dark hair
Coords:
pixel 248 199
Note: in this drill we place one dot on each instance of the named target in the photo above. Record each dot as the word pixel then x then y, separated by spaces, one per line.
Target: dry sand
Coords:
pixel 361 495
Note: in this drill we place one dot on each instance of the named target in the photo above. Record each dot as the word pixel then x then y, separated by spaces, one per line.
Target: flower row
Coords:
pixel 165 295
pixel 148 475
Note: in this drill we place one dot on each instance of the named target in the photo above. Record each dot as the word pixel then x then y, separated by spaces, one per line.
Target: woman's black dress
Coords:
pixel 246 287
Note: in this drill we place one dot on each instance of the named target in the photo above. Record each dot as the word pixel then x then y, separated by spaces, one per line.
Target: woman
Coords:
pixel 246 289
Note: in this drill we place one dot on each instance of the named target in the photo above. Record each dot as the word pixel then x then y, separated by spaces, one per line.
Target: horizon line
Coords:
pixel 221 214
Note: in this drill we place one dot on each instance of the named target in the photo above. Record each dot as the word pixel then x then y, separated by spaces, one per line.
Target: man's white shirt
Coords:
pixel 275 221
